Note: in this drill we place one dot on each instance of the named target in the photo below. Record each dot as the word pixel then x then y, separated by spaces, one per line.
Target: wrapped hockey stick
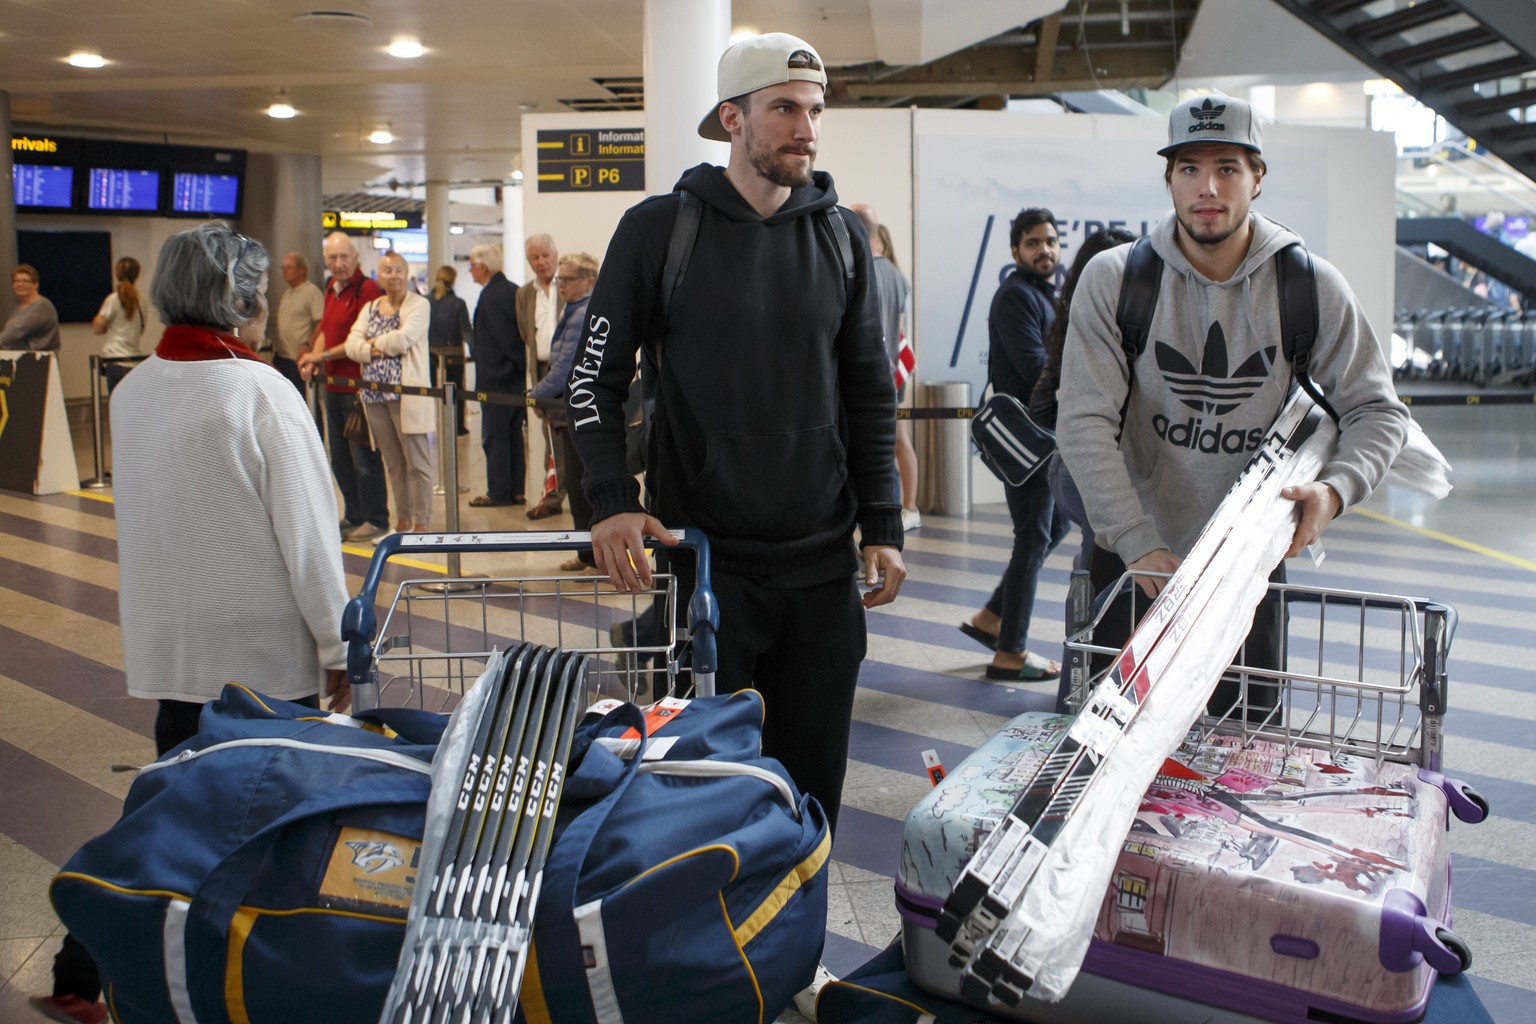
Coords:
pixel 1006 845
pixel 1046 934
pixel 964 922
pixel 514 898
pixel 523 726
pixel 460 762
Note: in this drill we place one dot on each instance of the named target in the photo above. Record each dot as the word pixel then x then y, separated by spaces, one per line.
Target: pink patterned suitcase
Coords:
pixel 1261 882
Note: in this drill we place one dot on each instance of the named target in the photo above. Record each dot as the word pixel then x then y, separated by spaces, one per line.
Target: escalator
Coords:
pixel 1473 248
pixel 1471 61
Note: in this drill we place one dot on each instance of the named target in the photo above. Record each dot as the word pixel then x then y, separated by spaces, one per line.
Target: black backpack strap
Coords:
pixel 685 231
pixel 1296 281
pixel 844 243
pixel 1138 301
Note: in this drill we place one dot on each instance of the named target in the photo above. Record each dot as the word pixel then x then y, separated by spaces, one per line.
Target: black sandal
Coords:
pixel 981 636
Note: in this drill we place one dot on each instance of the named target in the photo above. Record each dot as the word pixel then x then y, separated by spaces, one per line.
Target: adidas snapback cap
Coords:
pixel 1214 118
pixel 756 63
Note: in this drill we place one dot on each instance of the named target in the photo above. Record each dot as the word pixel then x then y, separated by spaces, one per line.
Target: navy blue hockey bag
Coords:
pixel 261 871
pixel 688 879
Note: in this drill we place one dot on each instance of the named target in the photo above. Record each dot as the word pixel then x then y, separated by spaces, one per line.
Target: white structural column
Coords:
pixel 515 267
pixel 683 43
pixel 439 242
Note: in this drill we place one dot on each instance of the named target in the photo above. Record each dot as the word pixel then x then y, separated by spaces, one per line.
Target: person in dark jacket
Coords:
pixel 774 423
pixel 501 364
pixel 1042 404
pixel 448 329
pixel 1023 311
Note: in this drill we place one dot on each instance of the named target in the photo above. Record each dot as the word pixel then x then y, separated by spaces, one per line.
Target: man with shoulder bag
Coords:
pixel 1022 313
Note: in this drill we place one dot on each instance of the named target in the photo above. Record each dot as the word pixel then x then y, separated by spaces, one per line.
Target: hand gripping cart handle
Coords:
pixel 361 631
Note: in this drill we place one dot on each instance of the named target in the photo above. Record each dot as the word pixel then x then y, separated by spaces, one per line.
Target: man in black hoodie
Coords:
pixel 774 423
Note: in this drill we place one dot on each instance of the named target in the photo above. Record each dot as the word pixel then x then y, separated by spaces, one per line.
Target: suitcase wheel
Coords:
pixel 1466 803
pixel 1453 943
pixel 1461 799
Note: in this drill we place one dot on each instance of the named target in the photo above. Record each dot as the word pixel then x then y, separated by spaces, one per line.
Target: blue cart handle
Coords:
pixel 358 621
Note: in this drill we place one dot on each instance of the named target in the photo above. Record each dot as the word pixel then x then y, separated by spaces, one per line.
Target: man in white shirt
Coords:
pixel 538 311
pixel 298 317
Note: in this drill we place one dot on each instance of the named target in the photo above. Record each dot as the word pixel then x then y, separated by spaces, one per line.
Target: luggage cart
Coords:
pixel 1282 866
pixel 437 635
pixel 1362 674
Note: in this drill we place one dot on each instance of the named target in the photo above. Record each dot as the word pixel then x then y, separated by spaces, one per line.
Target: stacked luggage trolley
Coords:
pixel 437 634
pixel 1289 862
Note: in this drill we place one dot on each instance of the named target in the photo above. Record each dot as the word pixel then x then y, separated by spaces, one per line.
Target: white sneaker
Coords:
pixel 805 999
pixel 911 519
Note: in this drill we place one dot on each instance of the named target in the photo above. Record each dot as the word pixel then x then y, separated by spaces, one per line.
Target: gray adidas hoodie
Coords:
pixel 1208 386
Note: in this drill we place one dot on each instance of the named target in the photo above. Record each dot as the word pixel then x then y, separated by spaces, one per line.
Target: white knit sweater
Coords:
pixel 229 566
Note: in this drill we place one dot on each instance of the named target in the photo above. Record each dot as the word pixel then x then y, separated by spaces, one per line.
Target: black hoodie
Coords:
pixel 775 419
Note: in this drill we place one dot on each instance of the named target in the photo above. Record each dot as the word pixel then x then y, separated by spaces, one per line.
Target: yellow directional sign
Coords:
pixel 591 160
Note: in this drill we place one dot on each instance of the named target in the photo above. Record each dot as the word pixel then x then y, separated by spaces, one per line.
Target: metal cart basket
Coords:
pixel 437 634
pixel 1362 673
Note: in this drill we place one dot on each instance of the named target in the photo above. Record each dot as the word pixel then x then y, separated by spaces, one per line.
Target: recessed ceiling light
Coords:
pixel 281 109
pixel 456 229
pixel 406 48
pixel 82 59
pixel 381 137
pixel 517 175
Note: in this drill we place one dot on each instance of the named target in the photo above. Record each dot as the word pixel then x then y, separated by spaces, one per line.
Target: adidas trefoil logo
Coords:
pixel 1211 392
pixel 1205 116
pixel 1208 111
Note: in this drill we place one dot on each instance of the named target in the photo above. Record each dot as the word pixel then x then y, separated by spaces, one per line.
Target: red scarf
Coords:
pixel 189 344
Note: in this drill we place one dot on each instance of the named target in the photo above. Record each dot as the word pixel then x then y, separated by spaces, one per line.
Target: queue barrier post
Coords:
pixel 944 451
pixel 102 479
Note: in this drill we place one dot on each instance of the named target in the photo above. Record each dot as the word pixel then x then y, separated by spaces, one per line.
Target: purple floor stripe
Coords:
pixel 48 810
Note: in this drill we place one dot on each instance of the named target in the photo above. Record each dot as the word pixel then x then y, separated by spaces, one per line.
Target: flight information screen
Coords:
pixel 43 185
pixel 205 193
pixel 114 189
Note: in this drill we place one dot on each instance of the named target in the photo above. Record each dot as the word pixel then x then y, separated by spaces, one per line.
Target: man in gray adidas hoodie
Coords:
pixel 1212 375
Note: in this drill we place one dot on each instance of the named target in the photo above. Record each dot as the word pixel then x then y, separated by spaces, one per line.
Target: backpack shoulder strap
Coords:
pixel 685 231
pixel 1138 299
pixel 1296 282
pixel 844 243
pixel 1139 284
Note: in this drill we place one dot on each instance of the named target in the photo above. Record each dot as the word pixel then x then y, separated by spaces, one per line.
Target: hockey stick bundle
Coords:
pixel 497 831
pixel 992 887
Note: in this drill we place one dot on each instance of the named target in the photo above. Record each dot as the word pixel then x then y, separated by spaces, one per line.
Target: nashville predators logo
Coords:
pixel 373 856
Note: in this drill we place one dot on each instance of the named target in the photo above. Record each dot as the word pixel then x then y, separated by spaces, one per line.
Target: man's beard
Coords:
pixel 1208 236
pixel 766 161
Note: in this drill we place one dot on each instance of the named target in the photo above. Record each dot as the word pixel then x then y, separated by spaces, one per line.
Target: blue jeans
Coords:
pixel 1070 504
pixel 1037 529
pixel 501 435
pixel 359 472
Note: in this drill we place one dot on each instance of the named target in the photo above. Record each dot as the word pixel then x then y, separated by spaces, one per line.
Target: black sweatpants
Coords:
pixel 801 648
pixel 1264 647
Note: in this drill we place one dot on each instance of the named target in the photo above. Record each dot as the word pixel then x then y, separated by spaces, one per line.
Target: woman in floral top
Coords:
pixel 389 340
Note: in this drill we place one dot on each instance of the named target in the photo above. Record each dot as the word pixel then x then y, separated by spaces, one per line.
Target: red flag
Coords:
pixel 906 360
pixel 550 483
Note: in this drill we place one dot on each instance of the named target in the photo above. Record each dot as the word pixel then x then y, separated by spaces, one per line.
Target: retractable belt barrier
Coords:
pixel 102 478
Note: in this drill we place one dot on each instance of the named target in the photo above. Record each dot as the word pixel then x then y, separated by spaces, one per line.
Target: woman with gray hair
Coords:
pixel 219 482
